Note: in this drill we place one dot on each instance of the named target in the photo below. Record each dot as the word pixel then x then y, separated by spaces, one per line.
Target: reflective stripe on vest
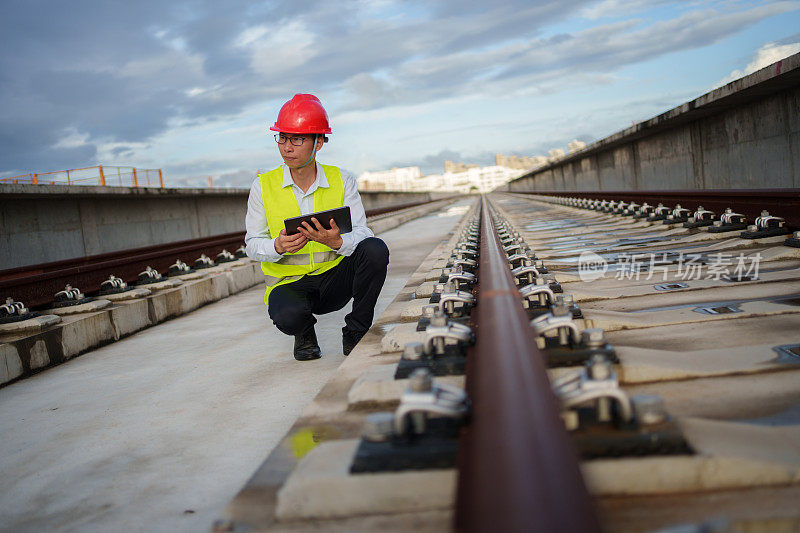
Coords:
pixel 280 203
pixel 306 259
pixel 273 281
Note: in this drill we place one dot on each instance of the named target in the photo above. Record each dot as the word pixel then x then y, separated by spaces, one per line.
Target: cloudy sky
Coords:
pixel 191 86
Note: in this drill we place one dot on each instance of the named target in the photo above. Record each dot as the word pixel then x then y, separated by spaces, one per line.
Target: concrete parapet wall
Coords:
pixel 381 199
pixel 45 223
pixel 745 135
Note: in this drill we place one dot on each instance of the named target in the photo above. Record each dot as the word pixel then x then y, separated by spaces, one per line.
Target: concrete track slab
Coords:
pixel 754 509
pixel 642 365
pixel 325 471
pixel 378 388
pixel 756 395
pixel 614 320
pixel 672 280
pixel 87 307
pixel 413 309
pixel 157 431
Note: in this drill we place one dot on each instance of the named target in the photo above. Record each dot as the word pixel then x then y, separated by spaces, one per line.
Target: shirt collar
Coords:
pixel 321 181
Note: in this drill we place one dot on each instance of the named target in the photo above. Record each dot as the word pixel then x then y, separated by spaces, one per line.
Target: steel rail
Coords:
pixel 749 202
pixel 35 285
pixel 518 469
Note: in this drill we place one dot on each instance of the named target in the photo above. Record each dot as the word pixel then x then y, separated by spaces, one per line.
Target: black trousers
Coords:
pixel 359 276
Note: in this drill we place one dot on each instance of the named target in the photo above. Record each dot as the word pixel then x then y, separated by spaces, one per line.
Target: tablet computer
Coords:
pixel 341 215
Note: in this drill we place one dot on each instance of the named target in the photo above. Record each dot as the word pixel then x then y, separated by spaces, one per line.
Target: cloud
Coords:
pixel 242 179
pixel 614 8
pixel 278 50
pixel 553 130
pixel 766 55
pixel 516 66
pixel 92 77
pixel 432 163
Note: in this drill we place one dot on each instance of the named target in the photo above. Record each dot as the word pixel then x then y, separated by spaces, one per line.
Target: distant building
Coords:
pixel 470 178
pixel 519 162
pixel 396 179
pixel 449 166
pixel 576 145
pixel 539 160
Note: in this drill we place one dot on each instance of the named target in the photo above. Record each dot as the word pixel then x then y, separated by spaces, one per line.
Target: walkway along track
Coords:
pixel 35 285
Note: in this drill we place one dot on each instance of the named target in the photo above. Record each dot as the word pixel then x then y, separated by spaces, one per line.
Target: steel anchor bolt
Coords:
pixel 378 427
pixel 649 409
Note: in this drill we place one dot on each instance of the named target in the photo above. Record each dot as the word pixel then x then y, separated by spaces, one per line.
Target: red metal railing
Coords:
pixel 100 175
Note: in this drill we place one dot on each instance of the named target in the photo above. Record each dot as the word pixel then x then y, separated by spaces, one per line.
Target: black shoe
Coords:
pixel 350 339
pixel 306 347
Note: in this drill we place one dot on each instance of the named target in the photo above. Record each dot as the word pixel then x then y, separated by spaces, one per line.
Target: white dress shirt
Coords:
pixel 260 245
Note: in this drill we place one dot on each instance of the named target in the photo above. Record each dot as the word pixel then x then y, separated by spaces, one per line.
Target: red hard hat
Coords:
pixel 302 114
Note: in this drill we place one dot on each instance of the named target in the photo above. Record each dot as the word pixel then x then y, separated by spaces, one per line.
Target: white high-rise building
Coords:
pixel 471 179
pixel 396 179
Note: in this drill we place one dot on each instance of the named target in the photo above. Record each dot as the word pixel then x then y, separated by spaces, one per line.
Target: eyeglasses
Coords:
pixel 296 141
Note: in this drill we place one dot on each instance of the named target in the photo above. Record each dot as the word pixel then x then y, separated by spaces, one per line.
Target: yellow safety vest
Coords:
pixel 280 203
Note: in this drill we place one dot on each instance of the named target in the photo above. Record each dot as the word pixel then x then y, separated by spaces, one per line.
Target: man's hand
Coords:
pixel 289 243
pixel 329 237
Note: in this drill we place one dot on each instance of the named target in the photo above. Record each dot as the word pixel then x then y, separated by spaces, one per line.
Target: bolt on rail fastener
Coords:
pixel 378 427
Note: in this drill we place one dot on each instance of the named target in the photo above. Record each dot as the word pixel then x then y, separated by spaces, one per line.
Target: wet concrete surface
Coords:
pixel 159 430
